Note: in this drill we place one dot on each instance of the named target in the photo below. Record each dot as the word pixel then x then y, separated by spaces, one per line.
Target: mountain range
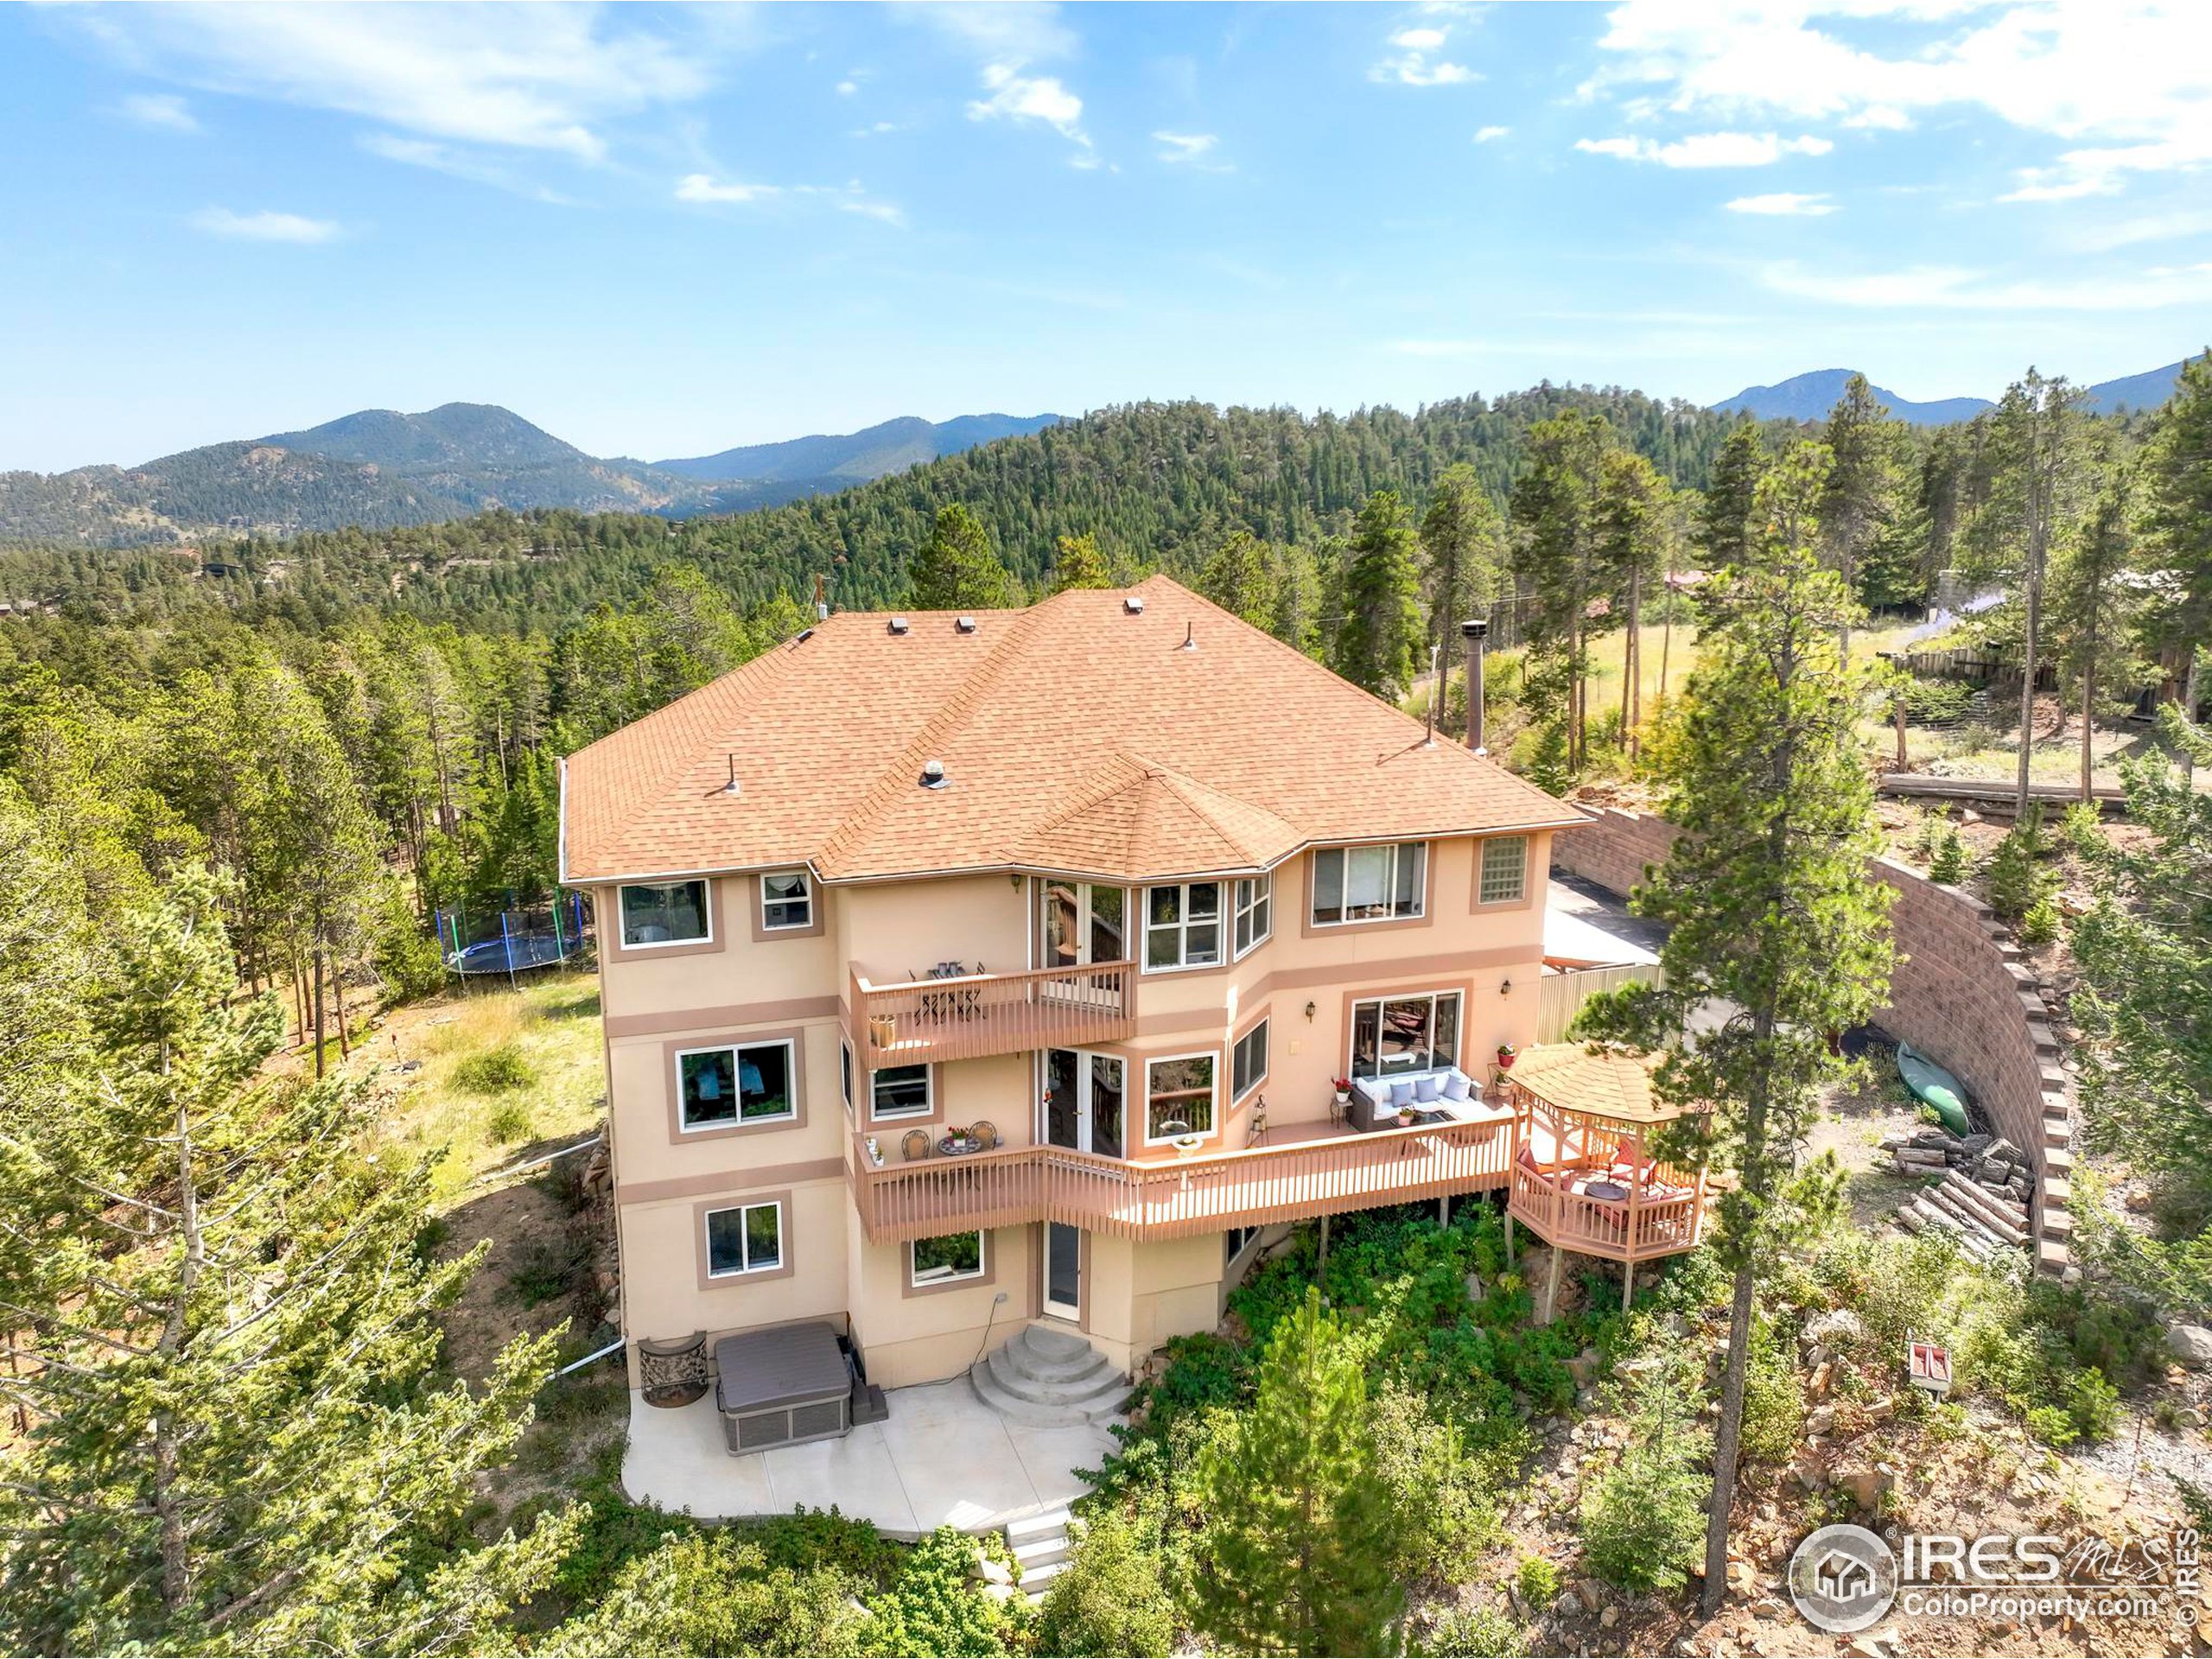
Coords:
pixel 1810 396
pixel 379 469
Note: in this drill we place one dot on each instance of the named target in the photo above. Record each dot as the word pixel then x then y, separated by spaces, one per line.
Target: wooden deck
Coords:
pixel 975 1016
pixel 1173 1199
pixel 1638 1228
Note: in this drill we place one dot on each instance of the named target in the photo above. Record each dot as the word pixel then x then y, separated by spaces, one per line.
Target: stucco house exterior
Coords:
pixel 1116 882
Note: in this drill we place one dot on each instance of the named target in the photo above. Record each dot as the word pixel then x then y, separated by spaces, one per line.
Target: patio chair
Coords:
pixel 914 1145
pixel 984 1134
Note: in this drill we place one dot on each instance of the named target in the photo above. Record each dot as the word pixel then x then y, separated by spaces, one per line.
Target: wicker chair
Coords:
pixel 985 1135
pixel 915 1144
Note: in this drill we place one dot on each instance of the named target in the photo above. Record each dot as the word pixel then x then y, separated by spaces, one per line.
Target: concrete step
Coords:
pixel 1036 1581
pixel 1041 1552
pixel 1101 1379
pixel 1046 1523
pixel 1036 1355
pixel 1051 1342
pixel 1105 1402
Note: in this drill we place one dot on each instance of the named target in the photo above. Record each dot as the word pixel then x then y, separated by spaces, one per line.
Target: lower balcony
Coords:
pixel 1172 1199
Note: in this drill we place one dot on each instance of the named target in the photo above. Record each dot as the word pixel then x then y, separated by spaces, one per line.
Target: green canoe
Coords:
pixel 1931 1084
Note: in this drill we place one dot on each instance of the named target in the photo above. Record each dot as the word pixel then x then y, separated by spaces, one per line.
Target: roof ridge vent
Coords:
pixel 1133 604
pixel 964 624
pixel 933 774
pixel 899 624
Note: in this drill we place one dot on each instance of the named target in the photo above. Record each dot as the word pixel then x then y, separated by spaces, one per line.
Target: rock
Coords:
pixel 2138 1199
pixel 993 1571
pixel 2191 1344
pixel 1867 1487
pixel 1881 1410
pixel 1837 1327
pixel 1610 1617
pixel 1820 1420
pixel 1001 1591
pixel 1768 1607
pixel 1977 1143
pixel 1818 1387
pixel 1591 1593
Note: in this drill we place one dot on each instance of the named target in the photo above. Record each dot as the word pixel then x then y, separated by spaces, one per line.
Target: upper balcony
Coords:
pixel 974 1016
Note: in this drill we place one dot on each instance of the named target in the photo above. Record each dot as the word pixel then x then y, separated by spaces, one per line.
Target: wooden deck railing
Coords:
pixel 1175 1198
pixel 1607 1227
pixel 976 1015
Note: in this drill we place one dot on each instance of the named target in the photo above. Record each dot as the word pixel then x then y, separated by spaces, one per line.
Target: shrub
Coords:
pixel 1937 701
pixel 508 1124
pixel 1947 858
pixel 2040 925
pixel 1643 1519
pixel 1774 1408
pixel 1474 1633
pixel 933 1606
pixel 1536 1580
pixel 495 1070
pixel 1445 1518
pixel 2016 879
pixel 1112 1597
pixel 708 1593
pixel 407 959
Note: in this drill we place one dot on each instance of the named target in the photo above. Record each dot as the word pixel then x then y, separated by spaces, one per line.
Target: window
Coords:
pixel 1369 884
pixel 1255 911
pixel 1233 1241
pixel 945 1261
pixel 1391 1034
pixel 899 1092
pixel 845 1072
pixel 1505 869
pixel 1179 1097
pixel 748 1239
pixel 1248 1062
pixel 1182 926
pixel 671 912
pixel 747 1083
pixel 786 901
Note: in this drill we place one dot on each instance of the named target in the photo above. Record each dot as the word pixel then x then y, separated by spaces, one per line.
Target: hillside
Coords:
pixel 1810 396
pixel 2149 390
pixel 831 461
pixel 1159 484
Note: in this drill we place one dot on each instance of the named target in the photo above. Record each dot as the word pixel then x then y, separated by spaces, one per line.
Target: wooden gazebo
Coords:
pixel 1583 1179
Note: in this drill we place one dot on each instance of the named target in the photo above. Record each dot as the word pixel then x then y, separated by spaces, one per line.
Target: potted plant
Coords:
pixel 1406 1116
pixel 1506 1053
pixel 1344 1091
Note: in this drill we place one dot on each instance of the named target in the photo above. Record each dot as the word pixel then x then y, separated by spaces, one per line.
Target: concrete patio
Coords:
pixel 943 1457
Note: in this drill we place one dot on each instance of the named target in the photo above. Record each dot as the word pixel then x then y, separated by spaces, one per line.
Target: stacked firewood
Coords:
pixel 1983 1196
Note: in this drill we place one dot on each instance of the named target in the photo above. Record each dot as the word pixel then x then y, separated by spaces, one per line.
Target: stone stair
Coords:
pixel 1040 1543
pixel 1044 1376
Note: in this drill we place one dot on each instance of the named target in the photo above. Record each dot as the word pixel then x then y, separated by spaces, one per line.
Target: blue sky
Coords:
pixel 661 232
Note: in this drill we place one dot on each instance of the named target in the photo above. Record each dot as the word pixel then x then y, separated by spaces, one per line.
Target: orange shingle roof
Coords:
pixel 1076 737
pixel 1595 1082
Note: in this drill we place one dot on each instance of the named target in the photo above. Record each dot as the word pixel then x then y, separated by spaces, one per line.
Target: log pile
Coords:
pixel 1983 1196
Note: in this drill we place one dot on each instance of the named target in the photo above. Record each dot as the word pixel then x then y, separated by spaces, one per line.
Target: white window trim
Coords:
pixel 1213 1128
pixel 806 880
pixel 1351 1026
pixel 705 884
pixel 789 1115
pixel 1237 1096
pixel 1239 911
pixel 929 1095
pixel 946 1275
pixel 1482 859
pixel 847 1072
pixel 1222 922
pixel 1251 1237
pixel 1421 897
pixel 783 1244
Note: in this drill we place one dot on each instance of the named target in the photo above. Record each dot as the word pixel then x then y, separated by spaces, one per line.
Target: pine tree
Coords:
pixel 2094 612
pixel 1077 562
pixel 2177 522
pixel 1298 1522
pixel 1724 530
pixel 237 1443
pixel 1861 502
pixel 1772 910
pixel 1379 641
pixel 1463 550
pixel 1241 578
pixel 1632 532
pixel 1556 559
pixel 955 569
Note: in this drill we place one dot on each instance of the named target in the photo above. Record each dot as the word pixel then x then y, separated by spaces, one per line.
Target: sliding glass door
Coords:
pixel 1078 924
pixel 1391 1034
pixel 1084 1101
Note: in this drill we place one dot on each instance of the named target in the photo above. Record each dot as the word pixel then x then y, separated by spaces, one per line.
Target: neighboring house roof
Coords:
pixel 1076 737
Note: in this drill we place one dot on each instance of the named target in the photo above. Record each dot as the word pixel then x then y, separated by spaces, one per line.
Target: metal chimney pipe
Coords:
pixel 1476 633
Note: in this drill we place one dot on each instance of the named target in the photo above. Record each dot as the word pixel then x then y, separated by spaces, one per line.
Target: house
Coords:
pixel 967 973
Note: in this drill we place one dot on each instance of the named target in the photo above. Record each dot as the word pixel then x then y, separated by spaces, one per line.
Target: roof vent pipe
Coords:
pixel 964 624
pixel 820 599
pixel 1133 603
pixel 1474 632
pixel 933 774
pixel 1189 637
pixel 899 624
pixel 731 788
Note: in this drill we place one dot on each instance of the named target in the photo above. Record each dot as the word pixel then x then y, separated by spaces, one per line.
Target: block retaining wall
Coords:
pixel 1960 992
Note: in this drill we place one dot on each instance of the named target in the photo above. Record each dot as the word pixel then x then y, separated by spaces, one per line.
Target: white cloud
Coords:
pixel 1193 149
pixel 2149 227
pixel 1784 204
pixel 263 226
pixel 1419 40
pixel 705 187
pixel 528 76
pixel 1955 288
pixel 1414 61
pixel 883 211
pixel 1487 134
pixel 847 88
pixel 2127 83
pixel 1019 98
pixel 164 110
pixel 1708 149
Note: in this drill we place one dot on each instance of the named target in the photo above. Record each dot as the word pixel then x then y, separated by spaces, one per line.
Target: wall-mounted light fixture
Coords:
pixel 1505 988
pixel 1309 1011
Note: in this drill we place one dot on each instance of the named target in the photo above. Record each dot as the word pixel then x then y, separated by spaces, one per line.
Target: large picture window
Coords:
pixel 1182 926
pixel 1391 1034
pixel 786 902
pixel 899 1092
pixel 1369 884
pixel 945 1261
pixel 748 1238
pixel 1505 869
pixel 1179 1097
pixel 668 913
pixel 1255 912
pixel 744 1083
pixel 1248 1062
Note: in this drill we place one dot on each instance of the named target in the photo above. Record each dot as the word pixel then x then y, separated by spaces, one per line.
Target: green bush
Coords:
pixel 495 1070
pixel 508 1124
pixel 1937 701
pixel 715 1594
pixel 1112 1597
pixel 1537 1581
pixel 1947 858
pixel 1446 1517
pixel 2041 924
pixel 1774 1407
pixel 406 958
pixel 934 1606
pixel 1474 1633
pixel 1643 1520
pixel 2016 880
